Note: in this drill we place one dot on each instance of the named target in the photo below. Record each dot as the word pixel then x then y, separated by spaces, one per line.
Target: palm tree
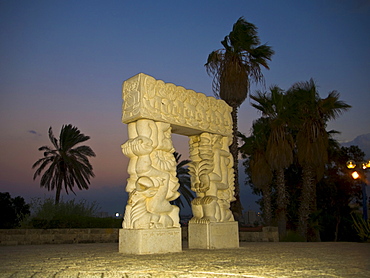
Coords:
pixel 312 143
pixel 254 147
pixel 274 106
pixel 68 163
pixel 233 68
pixel 182 173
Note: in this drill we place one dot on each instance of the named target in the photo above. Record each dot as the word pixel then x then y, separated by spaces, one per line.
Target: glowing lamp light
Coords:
pixel 366 164
pixel 351 164
pixel 355 175
pixel 117 214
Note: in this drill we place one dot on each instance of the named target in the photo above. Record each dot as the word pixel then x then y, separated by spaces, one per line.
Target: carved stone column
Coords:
pixel 149 216
pixel 212 178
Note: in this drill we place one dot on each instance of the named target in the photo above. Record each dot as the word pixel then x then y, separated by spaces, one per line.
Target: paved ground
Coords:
pixel 252 259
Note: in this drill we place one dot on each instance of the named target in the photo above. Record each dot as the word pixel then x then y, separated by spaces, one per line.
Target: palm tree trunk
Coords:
pixel 60 182
pixel 338 218
pixel 267 205
pixel 282 201
pixel 57 194
pixel 236 206
pixel 306 197
pixel 314 232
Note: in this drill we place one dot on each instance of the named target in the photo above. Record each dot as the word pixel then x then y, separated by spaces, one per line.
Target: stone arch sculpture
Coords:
pixel 153 110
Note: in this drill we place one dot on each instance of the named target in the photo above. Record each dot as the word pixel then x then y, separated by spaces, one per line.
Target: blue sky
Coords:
pixel 64 62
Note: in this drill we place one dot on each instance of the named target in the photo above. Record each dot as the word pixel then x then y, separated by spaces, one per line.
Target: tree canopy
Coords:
pixel 68 163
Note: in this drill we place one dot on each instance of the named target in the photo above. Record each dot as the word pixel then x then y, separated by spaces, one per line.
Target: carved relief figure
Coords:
pixel 150 108
pixel 212 178
pixel 131 100
pixel 152 183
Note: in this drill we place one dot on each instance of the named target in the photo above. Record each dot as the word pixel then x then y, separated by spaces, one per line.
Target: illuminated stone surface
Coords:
pixel 150 241
pixel 252 259
pixel 212 178
pixel 153 110
pixel 213 235
pixel 187 111
pixel 152 183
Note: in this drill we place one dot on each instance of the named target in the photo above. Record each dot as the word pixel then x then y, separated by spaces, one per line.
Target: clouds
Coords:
pixel 34 132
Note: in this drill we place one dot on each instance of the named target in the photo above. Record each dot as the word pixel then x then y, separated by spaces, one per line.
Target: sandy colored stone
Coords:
pixel 217 235
pixel 150 241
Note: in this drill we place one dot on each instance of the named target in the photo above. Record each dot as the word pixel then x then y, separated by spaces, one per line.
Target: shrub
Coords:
pixel 362 227
pixel 13 211
pixel 71 214
pixel 76 222
pixel 47 209
pixel 293 236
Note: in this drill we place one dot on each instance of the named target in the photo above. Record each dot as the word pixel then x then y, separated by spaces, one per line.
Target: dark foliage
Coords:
pixel 337 196
pixel 318 186
pixel 334 194
pixel 76 222
pixel 13 211
pixel 182 173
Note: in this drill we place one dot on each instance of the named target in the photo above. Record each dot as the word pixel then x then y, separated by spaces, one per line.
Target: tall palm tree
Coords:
pixel 254 147
pixel 182 173
pixel 312 143
pixel 233 68
pixel 274 106
pixel 68 164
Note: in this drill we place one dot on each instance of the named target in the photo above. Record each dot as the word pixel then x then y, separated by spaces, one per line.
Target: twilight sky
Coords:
pixel 64 62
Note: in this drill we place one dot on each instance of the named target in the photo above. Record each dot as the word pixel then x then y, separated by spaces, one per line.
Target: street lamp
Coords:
pixel 360 174
pixel 355 175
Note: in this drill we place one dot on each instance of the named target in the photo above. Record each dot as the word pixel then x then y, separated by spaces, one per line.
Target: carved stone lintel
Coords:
pixel 187 111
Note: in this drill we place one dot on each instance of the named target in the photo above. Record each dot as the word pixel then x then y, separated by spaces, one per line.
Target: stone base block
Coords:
pixel 219 235
pixel 150 241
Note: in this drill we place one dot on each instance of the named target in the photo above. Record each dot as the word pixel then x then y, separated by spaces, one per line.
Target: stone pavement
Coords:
pixel 252 259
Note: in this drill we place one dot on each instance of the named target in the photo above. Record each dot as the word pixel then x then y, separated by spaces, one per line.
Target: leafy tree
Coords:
pixel 233 68
pixel 362 227
pixel 68 164
pixel 275 108
pixel 297 147
pixel 260 171
pixel 335 191
pixel 13 210
pixel 312 142
pixel 182 173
